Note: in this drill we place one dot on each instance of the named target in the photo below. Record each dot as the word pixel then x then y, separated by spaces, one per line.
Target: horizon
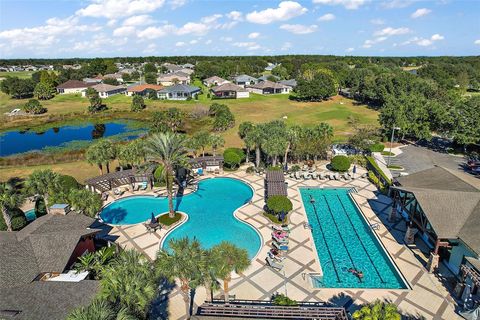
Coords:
pixel 47 29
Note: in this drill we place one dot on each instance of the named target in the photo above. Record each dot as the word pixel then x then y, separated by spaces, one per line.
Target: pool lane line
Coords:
pixel 312 201
pixel 360 240
pixel 341 237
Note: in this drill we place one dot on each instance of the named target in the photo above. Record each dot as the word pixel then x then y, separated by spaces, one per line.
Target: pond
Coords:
pixel 69 136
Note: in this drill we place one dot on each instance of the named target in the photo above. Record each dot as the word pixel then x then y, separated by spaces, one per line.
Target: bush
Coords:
pixel 275 168
pixel 18 222
pixel 33 106
pixel 40 208
pixel 340 163
pixel 373 164
pixel 238 151
pixel 295 168
pixel 66 183
pixel 138 104
pixel 376 147
pixel 283 300
pixel 359 159
pixel 231 159
pixel 279 204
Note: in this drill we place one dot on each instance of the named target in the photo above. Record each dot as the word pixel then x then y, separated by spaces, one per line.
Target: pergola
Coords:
pixel 116 179
pixel 207 161
pixel 275 184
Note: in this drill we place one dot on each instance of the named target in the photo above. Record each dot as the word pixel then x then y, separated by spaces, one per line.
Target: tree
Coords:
pixel 169 150
pixel 33 106
pixel 42 182
pixel 101 153
pixel 317 88
pixel 229 258
pixel 291 135
pixel 223 118
pixel 44 91
pixel 95 262
pixel 279 204
pixel 150 68
pixel 244 129
pixel 467 118
pixel 275 139
pixel 150 78
pixel 9 199
pixel 90 92
pixel 202 140
pixel 377 310
pixel 138 103
pixel 96 104
pixel 87 202
pixel 340 163
pixel 281 72
pixel 231 159
pixel 171 119
pixel 216 141
pixel 111 81
pixel 184 260
pixel 17 88
pixel 132 153
pixel 100 310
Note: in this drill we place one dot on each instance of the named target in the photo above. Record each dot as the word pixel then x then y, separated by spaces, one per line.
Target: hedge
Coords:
pixel 376 147
pixel 340 163
pixel 379 171
pixel 279 204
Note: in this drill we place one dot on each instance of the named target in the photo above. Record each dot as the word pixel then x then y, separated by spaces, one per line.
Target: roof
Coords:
pixel 73 84
pixel 198 162
pixel 244 78
pixel 214 79
pixel 451 205
pixel 275 183
pixel 103 87
pixel 290 82
pixel 265 77
pixel 180 88
pixel 228 87
pixel 172 76
pixel 59 206
pixel 267 84
pixel 143 87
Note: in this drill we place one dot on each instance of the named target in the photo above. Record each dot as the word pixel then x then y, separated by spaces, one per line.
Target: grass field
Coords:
pixel 19 74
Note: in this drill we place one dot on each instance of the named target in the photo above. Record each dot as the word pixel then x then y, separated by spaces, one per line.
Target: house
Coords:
pixel 268 77
pixel 188 66
pixel 173 78
pixel 269 87
pixel 171 68
pixel 186 71
pixel 95 80
pixel 143 89
pixel 230 91
pixel 292 83
pixel 73 86
pixel 178 92
pixel 244 80
pixel 214 81
pixel 117 76
pixel 107 90
pixel 72 66
pixel 271 66
pixel 36 280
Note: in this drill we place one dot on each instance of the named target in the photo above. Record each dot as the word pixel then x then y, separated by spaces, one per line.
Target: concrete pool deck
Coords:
pixel 428 297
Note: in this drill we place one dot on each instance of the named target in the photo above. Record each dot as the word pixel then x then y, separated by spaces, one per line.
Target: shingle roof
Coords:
pixel 103 87
pixel 452 206
pixel 172 76
pixel 214 79
pixel 290 82
pixel 244 78
pixel 228 87
pixel 267 84
pixel 180 88
pixel 73 84
pixel 143 87
pixel 275 183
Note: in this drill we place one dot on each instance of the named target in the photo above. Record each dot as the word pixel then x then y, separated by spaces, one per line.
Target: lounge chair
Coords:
pixel 279 234
pixel 336 176
pixel 143 186
pixel 306 175
pixel 105 196
pixel 275 265
pixel 286 228
pixel 281 228
pixel 314 175
pixel 280 246
pixel 321 175
pixel 307 226
pixel 274 257
pixel 297 175
pixel 118 192
pixel 283 240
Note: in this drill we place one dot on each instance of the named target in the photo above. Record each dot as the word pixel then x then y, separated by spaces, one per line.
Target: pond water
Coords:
pixel 15 142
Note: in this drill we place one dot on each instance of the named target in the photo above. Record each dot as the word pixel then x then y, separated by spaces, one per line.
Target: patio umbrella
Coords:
pixel 153 219
pixel 354 170
pixel 282 216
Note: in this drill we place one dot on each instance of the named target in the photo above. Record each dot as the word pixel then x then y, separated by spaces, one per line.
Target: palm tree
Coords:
pixel 9 199
pixel 132 153
pixel 255 137
pixel 169 150
pixel 243 131
pixel 42 182
pixel 292 135
pixel 229 258
pixel 210 273
pixel 100 310
pixel 378 310
pixel 185 260
pixel 94 262
pixel 101 153
pixel 216 141
pixel 85 201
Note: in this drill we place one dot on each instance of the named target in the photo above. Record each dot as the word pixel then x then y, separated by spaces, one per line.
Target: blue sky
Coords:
pixel 91 28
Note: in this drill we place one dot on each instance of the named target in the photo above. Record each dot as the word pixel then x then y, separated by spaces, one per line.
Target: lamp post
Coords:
pixel 391 143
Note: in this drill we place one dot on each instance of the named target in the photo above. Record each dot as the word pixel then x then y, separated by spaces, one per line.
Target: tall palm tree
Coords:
pixel 100 310
pixel 168 149
pixel 243 131
pixel 216 141
pixel 378 310
pixel 85 201
pixel 184 260
pixel 42 182
pixel 9 199
pixel 229 258
pixel 101 153
pixel 292 135
pixel 210 273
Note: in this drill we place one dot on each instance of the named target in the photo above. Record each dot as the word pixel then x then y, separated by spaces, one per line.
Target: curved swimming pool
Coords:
pixel 210 210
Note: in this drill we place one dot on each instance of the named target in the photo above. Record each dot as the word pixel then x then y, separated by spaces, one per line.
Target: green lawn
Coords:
pixel 19 74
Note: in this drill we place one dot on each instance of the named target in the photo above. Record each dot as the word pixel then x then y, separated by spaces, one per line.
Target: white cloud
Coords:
pixel 437 37
pixel 377 21
pixel 193 41
pixel 174 4
pixel 369 43
pixel 124 31
pixel 111 22
pixel 254 35
pixel 299 28
pixel 211 19
pixel 209 41
pixel 348 4
pixel 193 28
pixel 226 39
pixel 392 31
pixel 141 20
pixel 420 13
pixel 396 4
pixel 151 48
pixel 155 32
pixel 349 49
pixel 235 15
pixel 424 42
pixel 286 46
pixel 114 9
pixel 99 43
pixel 327 17
pixel 286 10
pixel 477 42
pixel 180 44
pixel 243 44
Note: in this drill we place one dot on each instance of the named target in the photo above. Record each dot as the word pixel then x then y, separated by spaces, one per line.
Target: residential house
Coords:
pixel 269 87
pixel 72 66
pixel 230 91
pixel 188 66
pixel 117 76
pixel 292 83
pixel 107 90
pixel 95 80
pixel 179 92
pixel 245 80
pixel 143 89
pixel 170 79
pixel 171 68
pixel 186 71
pixel 271 66
pixel 214 81
pixel 36 280
pixel 73 86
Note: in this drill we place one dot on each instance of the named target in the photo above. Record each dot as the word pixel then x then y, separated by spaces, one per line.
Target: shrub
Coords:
pixel 33 106
pixel 283 300
pixel 371 161
pixel 66 182
pixel 138 104
pixel 359 159
pixel 275 168
pixel 231 159
pixel 295 168
pixel 238 151
pixel 40 208
pixel 18 222
pixel 340 163
pixel 279 204
pixel 376 147
pixel 250 169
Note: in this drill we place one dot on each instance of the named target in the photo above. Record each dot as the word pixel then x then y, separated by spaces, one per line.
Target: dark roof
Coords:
pixel 452 206
pixel 50 300
pixel 275 176
pixel 180 88
pixel 228 87
pixel 266 77
pixel 72 84
pixel 290 82
pixel 275 183
pixel 267 84
pixel 244 78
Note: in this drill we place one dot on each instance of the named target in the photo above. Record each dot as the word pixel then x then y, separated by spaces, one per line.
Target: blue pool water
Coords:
pixel 30 215
pixel 344 240
pixel 13 142
pixel 210 210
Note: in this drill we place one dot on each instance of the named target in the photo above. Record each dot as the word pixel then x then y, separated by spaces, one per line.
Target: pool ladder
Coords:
pixel 375 226
pixel 353 190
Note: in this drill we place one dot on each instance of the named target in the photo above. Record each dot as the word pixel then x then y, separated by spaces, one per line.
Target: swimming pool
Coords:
pixel 30 215
pixel 345 241
pixel 210 210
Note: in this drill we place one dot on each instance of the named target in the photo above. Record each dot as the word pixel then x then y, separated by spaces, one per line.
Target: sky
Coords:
pixel 108 28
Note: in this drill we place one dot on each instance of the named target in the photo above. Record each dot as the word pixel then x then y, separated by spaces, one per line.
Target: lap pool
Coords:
pixel 210 210
pixel 344 241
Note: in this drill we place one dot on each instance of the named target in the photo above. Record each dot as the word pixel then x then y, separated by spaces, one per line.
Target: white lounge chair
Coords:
pixel 273 264
pixel 314 175
pixel 336 176
pixel 306 175
pixel 321 175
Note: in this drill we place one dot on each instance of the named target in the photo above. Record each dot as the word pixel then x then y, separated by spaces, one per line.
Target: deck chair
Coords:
pixel 280 241
pixel 314 175
pixel 336 176
pixel 321 175
pixel 275 265
pixel 281 247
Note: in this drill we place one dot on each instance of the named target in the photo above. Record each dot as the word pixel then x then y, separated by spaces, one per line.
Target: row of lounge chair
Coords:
pixel 276 255
pixel 323 176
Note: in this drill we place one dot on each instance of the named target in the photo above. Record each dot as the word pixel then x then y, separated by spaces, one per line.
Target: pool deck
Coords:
pixel 428 297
